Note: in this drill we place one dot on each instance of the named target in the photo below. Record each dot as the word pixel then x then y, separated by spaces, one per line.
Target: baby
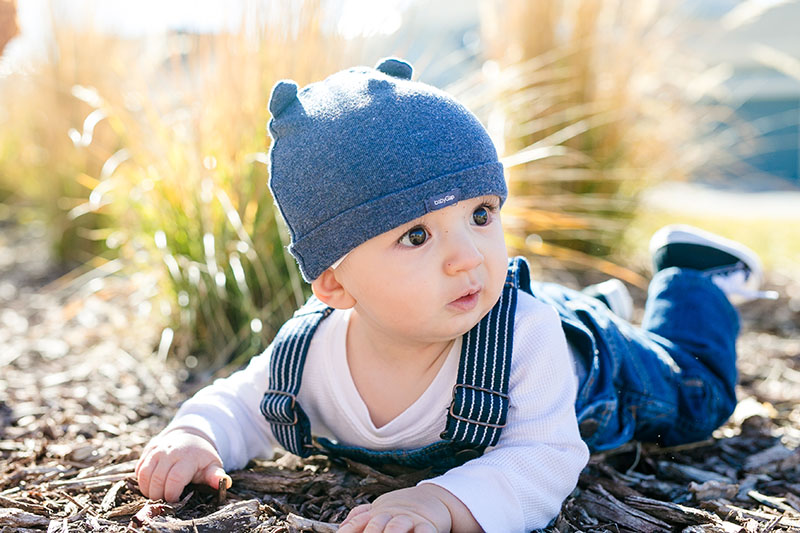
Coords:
pixel 424 346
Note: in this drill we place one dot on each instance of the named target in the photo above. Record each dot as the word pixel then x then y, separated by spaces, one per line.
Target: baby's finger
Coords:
pixel 355 523
pixel 211 476
pixel 378 523
pixel 178 477
pixel 158 479
pixel 357 510
pixel 425 528
pixel 399 524
pixel 145 472
pixel 143 457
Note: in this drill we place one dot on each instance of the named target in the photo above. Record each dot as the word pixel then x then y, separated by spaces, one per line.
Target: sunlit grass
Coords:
pixel 43 171
pixel 196 180
pixel 590 104
pixel 155 153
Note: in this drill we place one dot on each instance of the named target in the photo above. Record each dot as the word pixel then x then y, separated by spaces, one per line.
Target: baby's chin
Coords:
pixel 479 315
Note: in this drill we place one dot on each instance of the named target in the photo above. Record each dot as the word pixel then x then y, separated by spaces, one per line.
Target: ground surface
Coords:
pixel 81 393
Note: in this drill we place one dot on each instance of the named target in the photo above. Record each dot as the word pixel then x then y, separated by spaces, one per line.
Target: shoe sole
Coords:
pixel 685 234
pixel 619 299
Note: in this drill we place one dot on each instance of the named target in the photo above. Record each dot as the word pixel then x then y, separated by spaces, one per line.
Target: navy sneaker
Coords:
pixel 733 267
pixel 614 294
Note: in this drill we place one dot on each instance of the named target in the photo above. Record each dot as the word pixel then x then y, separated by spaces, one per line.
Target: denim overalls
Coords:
pixel 671 381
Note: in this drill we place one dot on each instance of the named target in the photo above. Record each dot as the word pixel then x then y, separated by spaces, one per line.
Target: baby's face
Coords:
pixel 434 278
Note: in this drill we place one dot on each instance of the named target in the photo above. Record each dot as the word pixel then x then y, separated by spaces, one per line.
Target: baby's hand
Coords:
pixel 174 460
pixel 422 509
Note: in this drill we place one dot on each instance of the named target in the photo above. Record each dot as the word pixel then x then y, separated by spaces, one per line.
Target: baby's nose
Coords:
pixel 463 254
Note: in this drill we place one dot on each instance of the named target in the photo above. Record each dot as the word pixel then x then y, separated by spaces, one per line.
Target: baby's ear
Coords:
pixel 330 292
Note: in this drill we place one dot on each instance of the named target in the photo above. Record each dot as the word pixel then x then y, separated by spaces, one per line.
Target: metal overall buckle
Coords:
pixel 291 406
pixel 480 389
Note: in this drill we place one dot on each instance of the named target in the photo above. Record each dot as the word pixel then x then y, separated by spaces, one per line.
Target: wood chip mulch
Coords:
pixel 81 393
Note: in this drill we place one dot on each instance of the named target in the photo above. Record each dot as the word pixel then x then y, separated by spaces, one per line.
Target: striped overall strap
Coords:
pixel 480 397
pixel 288 421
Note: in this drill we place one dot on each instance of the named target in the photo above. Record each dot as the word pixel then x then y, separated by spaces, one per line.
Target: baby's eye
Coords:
pixel 481 216
pixel 414 237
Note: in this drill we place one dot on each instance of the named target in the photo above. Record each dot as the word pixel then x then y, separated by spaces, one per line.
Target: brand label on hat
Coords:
pixel 443 200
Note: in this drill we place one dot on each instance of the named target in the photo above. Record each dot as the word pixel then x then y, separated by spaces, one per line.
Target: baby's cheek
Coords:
pixel 498 269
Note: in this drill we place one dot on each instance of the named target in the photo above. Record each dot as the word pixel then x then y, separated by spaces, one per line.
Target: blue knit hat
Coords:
pixel 367 150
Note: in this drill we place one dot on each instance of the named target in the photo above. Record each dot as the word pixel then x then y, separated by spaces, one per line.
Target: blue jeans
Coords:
pixel 670 381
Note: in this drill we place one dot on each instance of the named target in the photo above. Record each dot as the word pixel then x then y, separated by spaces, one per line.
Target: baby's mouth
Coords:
pixel 468 301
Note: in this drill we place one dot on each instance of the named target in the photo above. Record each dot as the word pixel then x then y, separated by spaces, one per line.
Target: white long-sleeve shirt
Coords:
pixel 515 486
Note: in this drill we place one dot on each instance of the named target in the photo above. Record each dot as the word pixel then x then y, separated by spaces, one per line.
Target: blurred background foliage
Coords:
pixel 154 160
pixel 149 155
pixel 591 108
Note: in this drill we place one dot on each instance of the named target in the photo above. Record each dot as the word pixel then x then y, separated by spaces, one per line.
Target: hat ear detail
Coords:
pixel 283 94
pixel 392 66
